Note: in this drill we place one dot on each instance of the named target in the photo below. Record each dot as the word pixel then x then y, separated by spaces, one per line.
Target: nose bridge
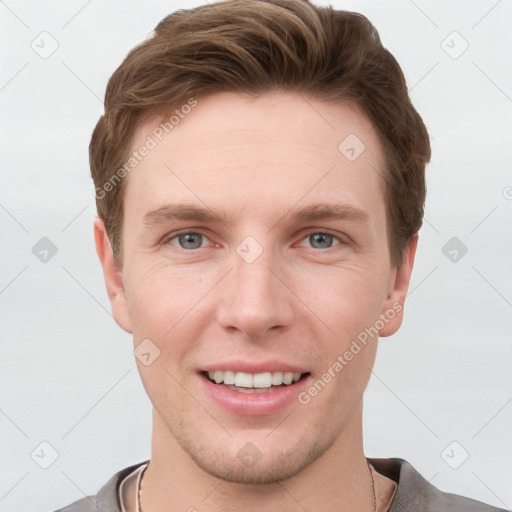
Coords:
pixel 251 271
pixel 255 300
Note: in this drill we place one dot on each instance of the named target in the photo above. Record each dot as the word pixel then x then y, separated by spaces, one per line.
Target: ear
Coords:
pixel 392 312
pixel 113 278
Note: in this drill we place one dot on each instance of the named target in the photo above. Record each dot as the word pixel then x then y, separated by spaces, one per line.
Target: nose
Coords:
pixel 255 298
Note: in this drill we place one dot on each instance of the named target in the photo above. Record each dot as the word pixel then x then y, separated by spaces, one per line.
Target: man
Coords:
pixel 259 176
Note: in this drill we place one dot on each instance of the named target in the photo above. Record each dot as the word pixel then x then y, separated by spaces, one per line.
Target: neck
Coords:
pixel 338 480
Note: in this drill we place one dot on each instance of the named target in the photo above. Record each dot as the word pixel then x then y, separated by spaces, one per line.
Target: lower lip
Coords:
pixel 253 404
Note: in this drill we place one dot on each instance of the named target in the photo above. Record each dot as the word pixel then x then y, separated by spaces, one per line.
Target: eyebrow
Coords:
pixel 188 212
pixel 326 211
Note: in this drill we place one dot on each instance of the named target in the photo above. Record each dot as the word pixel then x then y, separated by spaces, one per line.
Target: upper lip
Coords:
pixel 253 367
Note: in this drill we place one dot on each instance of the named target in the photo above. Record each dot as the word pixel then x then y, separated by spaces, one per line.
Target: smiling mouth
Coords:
pixel 253 382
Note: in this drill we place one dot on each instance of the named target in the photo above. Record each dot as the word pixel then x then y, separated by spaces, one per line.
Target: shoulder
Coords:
pixel 87 504
pixel 107 498
pixel 416 493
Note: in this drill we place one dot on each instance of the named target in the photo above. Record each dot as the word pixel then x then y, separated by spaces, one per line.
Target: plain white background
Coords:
pixel 68 376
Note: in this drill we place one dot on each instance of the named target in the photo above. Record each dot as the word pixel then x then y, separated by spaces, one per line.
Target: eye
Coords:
pixel 322 239
pixel 193 240
pixel 187 240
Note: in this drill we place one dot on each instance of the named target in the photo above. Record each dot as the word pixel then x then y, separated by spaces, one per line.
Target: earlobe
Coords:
pixel 393 310
pixel 112 276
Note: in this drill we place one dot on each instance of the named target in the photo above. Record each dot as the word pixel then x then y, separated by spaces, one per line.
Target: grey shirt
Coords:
pixel 413 494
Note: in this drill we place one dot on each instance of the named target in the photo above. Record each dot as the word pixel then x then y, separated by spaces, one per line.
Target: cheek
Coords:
pixel 170 304
pixel 349 305
pixel 345 299
pixel 166 307
pixel 164 304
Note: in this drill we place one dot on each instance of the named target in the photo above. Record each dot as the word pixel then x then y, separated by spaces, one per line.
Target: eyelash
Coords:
pixel 175 235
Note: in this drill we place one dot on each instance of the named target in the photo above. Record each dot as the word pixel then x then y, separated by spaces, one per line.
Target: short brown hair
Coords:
pixel 255 46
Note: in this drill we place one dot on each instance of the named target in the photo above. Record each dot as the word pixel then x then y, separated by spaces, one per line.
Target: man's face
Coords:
pixel 263 290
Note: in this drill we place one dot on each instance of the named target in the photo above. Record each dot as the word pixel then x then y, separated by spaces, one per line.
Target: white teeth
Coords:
pixel 243 380
pixel 277 378
pixel 229 378
pixel 262 380
pixel 287 377
pixel 254 380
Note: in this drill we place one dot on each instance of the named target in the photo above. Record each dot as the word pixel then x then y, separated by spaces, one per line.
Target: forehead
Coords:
pixel 233 149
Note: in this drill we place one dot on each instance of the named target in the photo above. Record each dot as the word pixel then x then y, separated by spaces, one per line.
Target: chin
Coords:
pixel 270 463
pixel 271 469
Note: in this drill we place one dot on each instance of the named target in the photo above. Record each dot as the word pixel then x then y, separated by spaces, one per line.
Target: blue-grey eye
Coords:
pixel 190 240
pixel 321 238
